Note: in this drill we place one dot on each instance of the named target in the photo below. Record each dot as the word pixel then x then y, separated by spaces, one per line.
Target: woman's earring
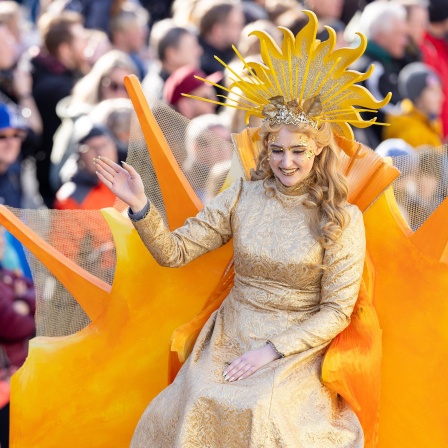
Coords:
pixel 268 158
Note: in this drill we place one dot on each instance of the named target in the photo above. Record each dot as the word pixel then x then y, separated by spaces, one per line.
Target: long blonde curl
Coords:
pixel 327 193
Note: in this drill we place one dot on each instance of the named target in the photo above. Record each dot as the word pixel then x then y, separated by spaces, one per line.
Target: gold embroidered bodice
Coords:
pixel 278 288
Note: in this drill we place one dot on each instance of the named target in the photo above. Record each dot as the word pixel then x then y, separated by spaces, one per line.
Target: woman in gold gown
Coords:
pixel 253 378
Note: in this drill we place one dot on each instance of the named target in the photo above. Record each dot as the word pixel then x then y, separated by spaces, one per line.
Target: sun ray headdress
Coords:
pixel 305 82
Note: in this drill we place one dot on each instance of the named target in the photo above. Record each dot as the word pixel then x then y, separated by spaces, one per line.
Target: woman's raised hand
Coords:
pixel 123 181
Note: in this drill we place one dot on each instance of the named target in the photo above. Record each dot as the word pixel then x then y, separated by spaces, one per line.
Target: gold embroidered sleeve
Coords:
pixel 208 230
pixel 339 292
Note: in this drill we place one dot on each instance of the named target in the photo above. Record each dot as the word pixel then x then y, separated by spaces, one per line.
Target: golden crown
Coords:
pixel 277 112
pixel 304 82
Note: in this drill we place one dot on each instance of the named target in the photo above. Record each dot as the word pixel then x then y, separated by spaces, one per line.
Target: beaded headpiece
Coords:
pixel 305 82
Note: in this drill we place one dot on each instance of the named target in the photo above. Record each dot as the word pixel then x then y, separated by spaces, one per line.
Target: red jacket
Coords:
pixel 435 54
pixel 84 192
pixel 86 231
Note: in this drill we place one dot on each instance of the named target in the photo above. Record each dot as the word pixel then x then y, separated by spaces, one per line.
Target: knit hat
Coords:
pixel 414 78
pixel 394 147
pixel 438 10
pixel 183 81
pixel 85 129
pixel 9 119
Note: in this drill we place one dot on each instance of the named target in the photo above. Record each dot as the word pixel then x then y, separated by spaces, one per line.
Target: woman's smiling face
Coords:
pixel 291 155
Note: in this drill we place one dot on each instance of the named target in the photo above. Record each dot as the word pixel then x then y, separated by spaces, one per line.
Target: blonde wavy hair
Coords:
pixel 327 192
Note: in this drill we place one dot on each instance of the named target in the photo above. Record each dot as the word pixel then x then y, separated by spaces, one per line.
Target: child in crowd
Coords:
pixel 418 120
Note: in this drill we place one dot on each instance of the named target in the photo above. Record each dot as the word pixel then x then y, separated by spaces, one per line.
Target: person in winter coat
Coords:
pixel 17 308
pixel 418 122
pixel 55 70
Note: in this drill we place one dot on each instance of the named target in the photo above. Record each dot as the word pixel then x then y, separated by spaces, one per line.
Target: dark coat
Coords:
pixel 11 186
pixel 208 62
pixel 51 82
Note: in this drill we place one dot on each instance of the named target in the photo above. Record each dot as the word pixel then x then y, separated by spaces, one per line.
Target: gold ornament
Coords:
pixel 277 112
pixel 301 141
pixel 272 138
pixel 310 153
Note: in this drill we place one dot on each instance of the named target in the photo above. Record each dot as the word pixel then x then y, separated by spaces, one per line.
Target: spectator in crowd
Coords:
pixel 11 16
pixel 98 42
pixel 209 154
pixel 435 49
pixel 220 25
pixel 327 11
pixel 16 83
pixel 129 32
pixel 104 81
pixel 96 13
pixel 384 24
pixel 418 122
pixel 174 47
pixel 183 81
pixel 418 20
pixel 55 71
pixel 17 182
pixel 249 45
pixel 426 193
pixel 405 158
pixel 115 114
pixel 85 242
pixel 83 190
pixel 15 90
pixel 12 133
pixel 17 307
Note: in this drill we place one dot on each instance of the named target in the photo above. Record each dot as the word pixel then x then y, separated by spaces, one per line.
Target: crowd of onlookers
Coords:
pixel 63 100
